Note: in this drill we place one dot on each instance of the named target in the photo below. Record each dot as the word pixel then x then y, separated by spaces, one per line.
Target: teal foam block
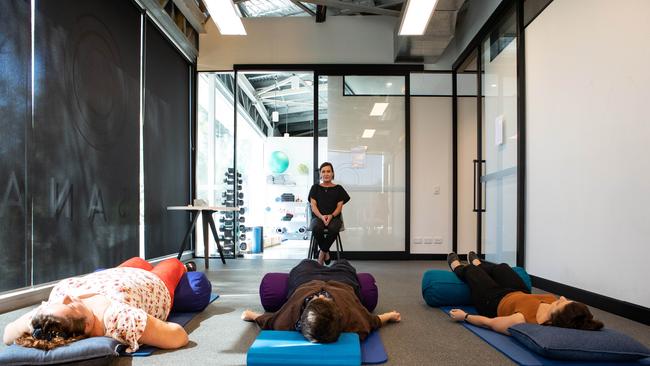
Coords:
pixel 273 347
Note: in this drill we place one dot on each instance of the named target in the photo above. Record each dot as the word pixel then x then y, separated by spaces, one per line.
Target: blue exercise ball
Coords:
pixel 279 162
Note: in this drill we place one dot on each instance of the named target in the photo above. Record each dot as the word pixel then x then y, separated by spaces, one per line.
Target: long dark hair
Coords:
pixel 327 163
pixel 575 315
pixel 52 331
pixel 320 321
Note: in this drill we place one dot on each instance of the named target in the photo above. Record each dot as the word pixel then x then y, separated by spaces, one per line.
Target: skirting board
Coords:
pixel 623 308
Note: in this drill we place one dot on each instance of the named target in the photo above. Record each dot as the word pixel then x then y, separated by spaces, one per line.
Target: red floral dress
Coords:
pixel 133 292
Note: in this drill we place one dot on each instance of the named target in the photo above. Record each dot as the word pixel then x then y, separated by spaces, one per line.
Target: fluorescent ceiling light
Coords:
pixel 378 109
pixel 224 15
pixel 368 133
pixel 416 17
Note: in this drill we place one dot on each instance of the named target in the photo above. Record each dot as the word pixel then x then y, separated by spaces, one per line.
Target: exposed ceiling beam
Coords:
pixel 276 85
pixel 321 13
pixel 359 8
pixel 303 7
pixel 192 13
pixel 385 5
pixel 287 92
pixel 390 3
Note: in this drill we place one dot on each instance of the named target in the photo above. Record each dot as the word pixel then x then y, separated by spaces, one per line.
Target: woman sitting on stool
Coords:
pixel 503 300
pixel 327 200
pixel 129 303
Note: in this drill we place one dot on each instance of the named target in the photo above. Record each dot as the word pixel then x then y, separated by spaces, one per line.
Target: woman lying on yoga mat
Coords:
pixel 129 303
pixel 322 303
pixel 503 300
pixel 326 200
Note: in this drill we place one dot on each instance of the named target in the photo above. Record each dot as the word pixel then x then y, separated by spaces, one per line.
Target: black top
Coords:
pixel 328 197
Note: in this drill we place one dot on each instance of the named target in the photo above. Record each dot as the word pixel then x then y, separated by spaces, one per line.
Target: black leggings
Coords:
pixel 318 229
pixel 309 270
pixel 489 283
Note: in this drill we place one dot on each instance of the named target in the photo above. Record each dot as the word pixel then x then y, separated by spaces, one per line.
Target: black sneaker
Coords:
pixel 190 266
pixel 471 256
pixel 451 257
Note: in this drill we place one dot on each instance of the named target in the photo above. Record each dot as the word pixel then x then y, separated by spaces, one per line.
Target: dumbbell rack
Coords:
pixel 232 225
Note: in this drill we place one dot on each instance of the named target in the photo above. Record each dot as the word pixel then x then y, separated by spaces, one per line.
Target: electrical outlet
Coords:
pixel 417 240
pixel 437 240
pixel 428 240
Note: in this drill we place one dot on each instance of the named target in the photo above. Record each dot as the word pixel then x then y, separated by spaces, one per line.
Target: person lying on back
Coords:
pixel 322 303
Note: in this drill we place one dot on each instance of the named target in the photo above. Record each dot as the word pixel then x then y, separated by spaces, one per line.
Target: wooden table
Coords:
pixel 206 213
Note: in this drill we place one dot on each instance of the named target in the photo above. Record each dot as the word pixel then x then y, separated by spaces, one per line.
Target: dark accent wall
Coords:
pixel 70 148
pixel 84 162
pixel 166 149
pixel 15 115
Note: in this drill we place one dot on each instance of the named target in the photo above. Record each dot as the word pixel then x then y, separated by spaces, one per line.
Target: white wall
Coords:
pixel 588 132
pixel 299 40
pixel 430 168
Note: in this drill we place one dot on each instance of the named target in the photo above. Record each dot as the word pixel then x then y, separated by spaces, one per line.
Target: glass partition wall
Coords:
pixel 275 129
pixel 363 127
pixel 499 134
pixel 496 182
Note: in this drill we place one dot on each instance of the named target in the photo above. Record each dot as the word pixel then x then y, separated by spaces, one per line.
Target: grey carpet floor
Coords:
pixel 425 336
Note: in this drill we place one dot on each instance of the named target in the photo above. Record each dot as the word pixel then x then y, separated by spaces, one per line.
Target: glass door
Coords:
pixel 498 145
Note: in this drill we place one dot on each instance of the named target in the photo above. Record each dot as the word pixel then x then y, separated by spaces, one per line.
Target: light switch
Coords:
pixel 436 190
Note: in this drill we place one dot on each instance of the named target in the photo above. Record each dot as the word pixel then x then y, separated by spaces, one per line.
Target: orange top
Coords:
pixel 521 302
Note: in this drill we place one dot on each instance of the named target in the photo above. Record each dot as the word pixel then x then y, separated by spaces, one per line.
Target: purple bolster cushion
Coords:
pixel 192 292
pixel 274 287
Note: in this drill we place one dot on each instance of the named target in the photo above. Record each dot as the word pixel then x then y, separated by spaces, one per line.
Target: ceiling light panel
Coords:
pixel 378 109
pixel 417 16
pixel 225 16
pixel 368 133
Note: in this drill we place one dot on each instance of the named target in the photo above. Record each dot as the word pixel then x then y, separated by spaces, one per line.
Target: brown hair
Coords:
pixel 320 322
pixel 327 163
pixel 52 331
pixel 575 315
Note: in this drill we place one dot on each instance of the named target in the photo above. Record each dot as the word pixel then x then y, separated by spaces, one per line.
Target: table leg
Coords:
pixel 206 238
pixel 187 235
pixel 216 237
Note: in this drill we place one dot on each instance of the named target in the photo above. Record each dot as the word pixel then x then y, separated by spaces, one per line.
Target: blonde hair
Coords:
pixel 52 331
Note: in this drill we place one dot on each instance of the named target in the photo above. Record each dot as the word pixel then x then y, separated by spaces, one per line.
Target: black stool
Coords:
pixel 313 247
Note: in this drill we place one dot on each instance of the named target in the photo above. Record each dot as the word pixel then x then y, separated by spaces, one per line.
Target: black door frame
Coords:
pixel 343 70
pixel 504 9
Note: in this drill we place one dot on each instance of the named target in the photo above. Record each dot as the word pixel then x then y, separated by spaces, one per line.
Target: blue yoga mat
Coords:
pixel 517 352
pixel 291 348
pixel 178 318
pixel 372 350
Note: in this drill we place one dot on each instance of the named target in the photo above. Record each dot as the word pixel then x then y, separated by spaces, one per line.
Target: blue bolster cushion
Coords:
pixel 88 351
pixel 579 345
pixel 192 293
pixel 444 288
pixel 277 347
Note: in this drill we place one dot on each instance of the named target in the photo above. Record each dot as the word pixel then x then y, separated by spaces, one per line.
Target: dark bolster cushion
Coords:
pixel 88 351
pixel 579 345
pixel 192 293
pixel 274 287
pixel 444 288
